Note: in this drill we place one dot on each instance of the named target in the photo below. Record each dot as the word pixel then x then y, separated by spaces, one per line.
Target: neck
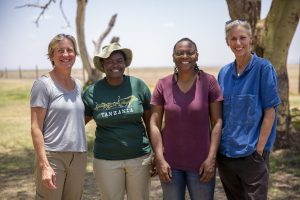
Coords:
pixel 61 75
pixel 187 76
pixel 114 81
pixel 242 62
pixel 63 79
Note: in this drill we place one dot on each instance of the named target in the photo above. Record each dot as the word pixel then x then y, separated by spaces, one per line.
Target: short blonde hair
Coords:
pixel 56 40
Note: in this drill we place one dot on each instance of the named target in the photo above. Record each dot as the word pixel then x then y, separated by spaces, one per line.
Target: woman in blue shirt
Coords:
pixel 249 86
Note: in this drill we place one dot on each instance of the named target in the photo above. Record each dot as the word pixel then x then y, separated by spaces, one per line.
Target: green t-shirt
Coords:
pixel 118 112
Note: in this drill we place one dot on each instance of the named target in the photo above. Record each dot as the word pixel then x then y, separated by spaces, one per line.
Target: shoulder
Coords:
pixel 44 79
pixel 92 86
pixel 227 68
pixel 263 63
pixel 260 60
pixel 136 81
pixel 89 89
pixel 209 78
pixel 206 75
pixel 166 79
pixel 77 82
pixel 138 84
pixel 42 82
pixel 265 68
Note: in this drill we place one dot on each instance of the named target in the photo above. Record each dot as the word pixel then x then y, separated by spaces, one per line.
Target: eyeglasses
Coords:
pixel 185 53
pixel 232 20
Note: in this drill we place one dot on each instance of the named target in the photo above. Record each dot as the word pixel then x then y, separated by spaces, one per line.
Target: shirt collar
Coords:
pixel 248 67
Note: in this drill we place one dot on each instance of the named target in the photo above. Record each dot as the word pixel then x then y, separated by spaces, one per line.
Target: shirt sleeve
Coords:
pixel 147 97
pixel 39 95
pixel 215 93
pixel 86 97
pixel 157 96
pixel 268 88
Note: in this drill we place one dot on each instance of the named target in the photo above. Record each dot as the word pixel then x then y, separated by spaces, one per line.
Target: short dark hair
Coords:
pixel 187 40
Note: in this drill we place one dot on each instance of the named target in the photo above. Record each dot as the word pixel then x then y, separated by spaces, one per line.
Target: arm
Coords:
pixel 37 119
pixel 146 119
pixel 207 168
pixel 163 168
pixel 265 130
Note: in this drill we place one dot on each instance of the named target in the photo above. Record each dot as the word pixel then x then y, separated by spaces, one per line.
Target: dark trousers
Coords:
pixel 245 178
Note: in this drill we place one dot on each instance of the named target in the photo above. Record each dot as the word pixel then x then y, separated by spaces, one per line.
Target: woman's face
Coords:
pixel 64 54
pixel 185 56
pixel 239 41
pixel 114 65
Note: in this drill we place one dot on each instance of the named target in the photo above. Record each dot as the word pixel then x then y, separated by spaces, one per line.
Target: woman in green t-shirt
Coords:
pixel 120 106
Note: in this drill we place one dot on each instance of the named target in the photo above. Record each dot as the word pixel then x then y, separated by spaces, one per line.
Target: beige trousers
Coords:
pixel 69 168
pixel 115 177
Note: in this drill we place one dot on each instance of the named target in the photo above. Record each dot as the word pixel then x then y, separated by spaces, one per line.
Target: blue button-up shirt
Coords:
pixel 245 98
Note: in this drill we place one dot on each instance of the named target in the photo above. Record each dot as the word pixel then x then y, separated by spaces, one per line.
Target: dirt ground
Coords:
pixel 17 182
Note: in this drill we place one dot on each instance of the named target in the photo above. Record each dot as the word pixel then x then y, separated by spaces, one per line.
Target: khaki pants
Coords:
pixel 114 177
pixel 70 168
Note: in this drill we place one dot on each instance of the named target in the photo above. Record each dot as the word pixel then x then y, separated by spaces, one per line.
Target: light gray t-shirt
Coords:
pixel 64 127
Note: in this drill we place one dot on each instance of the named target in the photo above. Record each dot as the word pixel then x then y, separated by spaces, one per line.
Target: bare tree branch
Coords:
pixel 31 5
pixel 63 13
pixel 98 43
pixel 44 7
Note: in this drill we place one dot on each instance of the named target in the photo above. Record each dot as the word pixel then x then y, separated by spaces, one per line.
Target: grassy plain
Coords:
pixel 17 156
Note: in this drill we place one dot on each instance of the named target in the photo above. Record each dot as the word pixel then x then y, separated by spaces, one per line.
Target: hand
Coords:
pixel 163 169
pixel 153 170
pixel 49 178
pixel 207 170
pixel 260 152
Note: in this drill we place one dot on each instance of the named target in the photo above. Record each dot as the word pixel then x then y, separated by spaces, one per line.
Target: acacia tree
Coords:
pixel 272 39
pixel 88 65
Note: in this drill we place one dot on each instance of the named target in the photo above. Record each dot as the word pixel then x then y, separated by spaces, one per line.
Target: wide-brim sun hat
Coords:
pixel 107 51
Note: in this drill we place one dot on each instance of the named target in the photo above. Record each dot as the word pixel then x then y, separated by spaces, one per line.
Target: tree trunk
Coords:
pixel 280 26
pixel 93 73
pixel 272 39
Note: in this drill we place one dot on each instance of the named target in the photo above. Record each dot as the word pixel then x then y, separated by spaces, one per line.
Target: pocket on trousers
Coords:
pixel 257 158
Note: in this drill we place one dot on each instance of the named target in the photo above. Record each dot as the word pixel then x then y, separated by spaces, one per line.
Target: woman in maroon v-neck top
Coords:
pixel 186 147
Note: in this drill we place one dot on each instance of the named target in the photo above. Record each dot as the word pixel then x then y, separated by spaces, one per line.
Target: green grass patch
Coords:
pixel 285 160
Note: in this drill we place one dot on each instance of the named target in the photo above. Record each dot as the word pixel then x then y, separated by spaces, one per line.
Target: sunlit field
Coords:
pixel 17 155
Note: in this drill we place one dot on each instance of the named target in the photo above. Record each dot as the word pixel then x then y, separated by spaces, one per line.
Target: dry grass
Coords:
pixel 16 152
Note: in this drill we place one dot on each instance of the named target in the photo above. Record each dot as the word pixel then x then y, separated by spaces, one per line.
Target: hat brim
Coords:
pixel 97 59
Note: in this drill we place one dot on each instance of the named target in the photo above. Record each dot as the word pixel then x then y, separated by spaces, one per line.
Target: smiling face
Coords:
pixel 239 41
pixel 185 56
pixel 64 54
pixel 114 65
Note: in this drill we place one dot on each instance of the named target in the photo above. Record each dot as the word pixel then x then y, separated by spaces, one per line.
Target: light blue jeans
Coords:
pixel 175 190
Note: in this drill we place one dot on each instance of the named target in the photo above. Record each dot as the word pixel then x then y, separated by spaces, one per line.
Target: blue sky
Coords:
pixel 149 27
